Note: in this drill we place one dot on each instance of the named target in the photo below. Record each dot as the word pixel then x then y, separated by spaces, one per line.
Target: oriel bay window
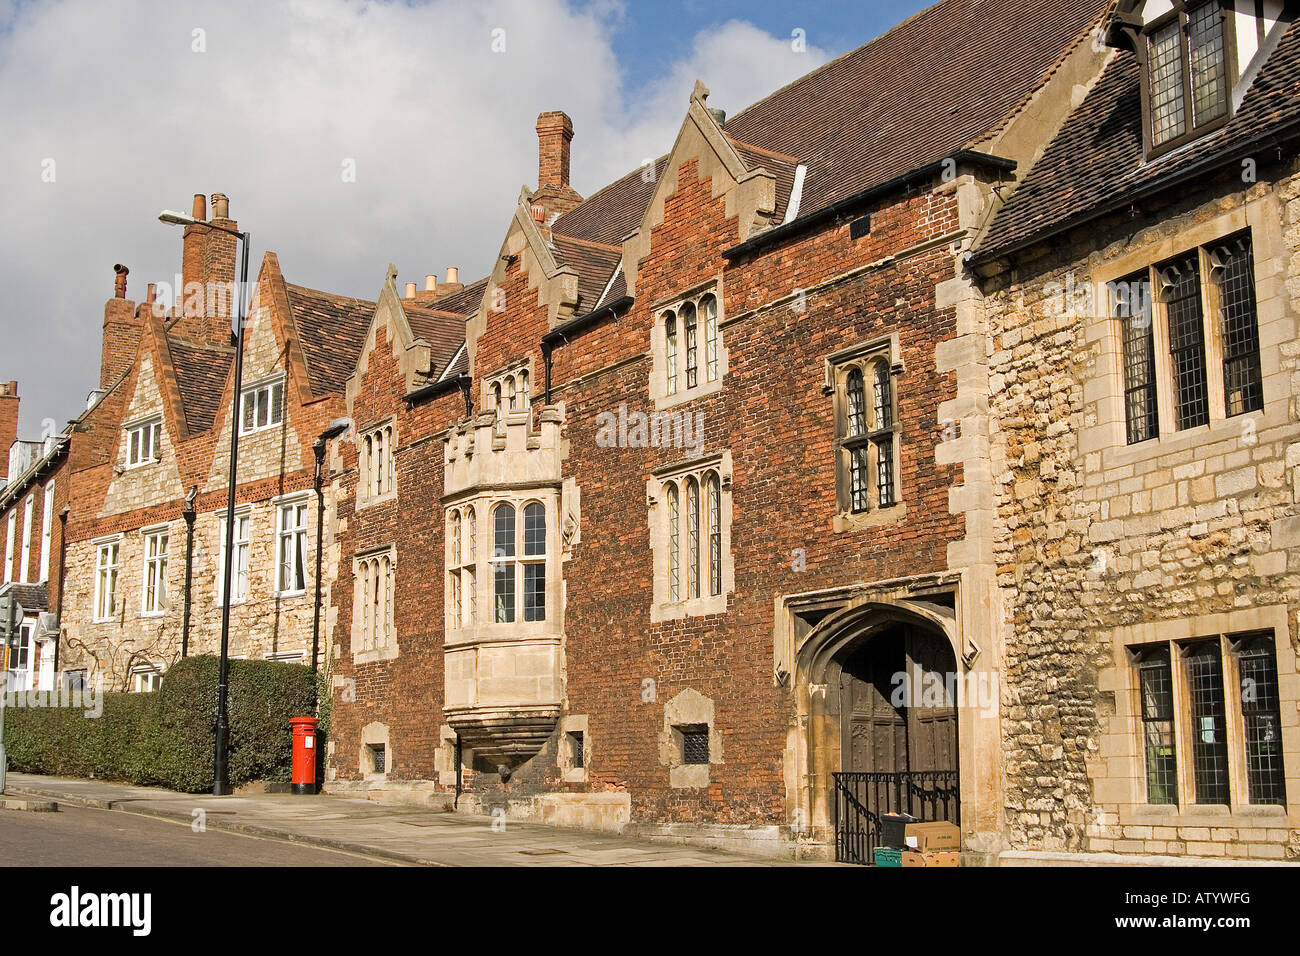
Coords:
pixel 520 546
pixel 1188 337
pixel 1210 721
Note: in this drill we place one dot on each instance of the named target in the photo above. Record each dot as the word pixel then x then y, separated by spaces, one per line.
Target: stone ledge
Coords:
pixel 1061 858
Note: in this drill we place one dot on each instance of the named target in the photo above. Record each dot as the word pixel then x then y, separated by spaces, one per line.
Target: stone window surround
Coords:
pixel 389 649
pixel 462 553
pixel 1103 394
pixel 99 545
pixel 659 347
pixel 484 503
pixel 150 425
pixel 662 608
pixel 372 734
pixel 1124 792
pixel 145 535
pixel 573 724
pixel 524 385
pixel 365 476
pixel 278 505
pixel 688 708
pixel 838 364
pixel 141 678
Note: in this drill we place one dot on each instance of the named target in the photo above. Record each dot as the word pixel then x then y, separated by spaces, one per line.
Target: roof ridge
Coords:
pixel 766 152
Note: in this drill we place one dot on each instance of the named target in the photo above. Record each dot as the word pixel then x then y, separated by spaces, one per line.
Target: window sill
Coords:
pixel 686 396
pixel 385 498
pixel 280 595
pixel 876 517
pixel 153 614
pixel 1217 430
pixel 1205 815
pixel 695 607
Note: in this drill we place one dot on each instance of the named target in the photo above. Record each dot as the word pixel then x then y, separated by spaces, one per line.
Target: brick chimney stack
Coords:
pixel 206 301
pixel 122 328
pixel 554 131
pixel 433 289
pixel 8 423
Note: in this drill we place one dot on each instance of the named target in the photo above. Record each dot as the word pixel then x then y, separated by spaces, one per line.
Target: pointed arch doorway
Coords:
pixel 880 691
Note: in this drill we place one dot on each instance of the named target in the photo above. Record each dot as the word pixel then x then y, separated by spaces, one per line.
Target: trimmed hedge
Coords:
pixel 167 738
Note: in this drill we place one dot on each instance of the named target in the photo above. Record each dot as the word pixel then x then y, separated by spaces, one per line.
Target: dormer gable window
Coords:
pixel 1188 58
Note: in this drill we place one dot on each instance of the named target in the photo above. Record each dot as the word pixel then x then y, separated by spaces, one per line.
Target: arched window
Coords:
pixel 368 464
pixel 883 428
pixel 469 592
pixel 690 322
pixel 670 351
pixel 523 387
pixel 857 404
pixel 692 538
pixel 534 562
pixel 709 305
pixel 715 533
pixel 500 423
pixel 503 571
pixel 512 392
pixel 674 543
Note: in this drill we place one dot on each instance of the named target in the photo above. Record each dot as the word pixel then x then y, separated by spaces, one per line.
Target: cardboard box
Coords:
pixel 936 836
pixel 935 858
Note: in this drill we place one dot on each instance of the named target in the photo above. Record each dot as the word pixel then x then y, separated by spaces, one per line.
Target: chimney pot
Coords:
pixel 119 283
pixel 453 274
pixel 410 290
pixel 200 211
pixel 430 283
pixel 152 292
pixel 220 206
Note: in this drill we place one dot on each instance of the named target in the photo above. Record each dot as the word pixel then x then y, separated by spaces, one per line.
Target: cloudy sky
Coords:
pixel 112 111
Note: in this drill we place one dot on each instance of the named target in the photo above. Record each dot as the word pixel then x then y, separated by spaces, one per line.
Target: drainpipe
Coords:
pixel 459 781
pixel 336 428
pixel 189 567
pixel 63 561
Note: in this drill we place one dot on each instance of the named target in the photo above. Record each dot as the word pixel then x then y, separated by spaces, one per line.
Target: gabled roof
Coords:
pixel 937 83
pixel 201 372
pixel 594 263
pixel 332 330
pixel 1096 164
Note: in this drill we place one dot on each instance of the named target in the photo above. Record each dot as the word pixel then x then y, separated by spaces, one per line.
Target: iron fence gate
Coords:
pixel 860 799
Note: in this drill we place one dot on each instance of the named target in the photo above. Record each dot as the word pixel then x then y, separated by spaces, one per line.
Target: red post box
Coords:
pixel 304 754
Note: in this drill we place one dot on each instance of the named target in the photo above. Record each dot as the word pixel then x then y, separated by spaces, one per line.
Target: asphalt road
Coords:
pixel 78 836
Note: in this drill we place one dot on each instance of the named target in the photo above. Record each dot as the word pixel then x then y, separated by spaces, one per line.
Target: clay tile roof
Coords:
pixel 200 376
pixel 593 262
pixel 332 329
pixel 1095 163
pixel 464 302
pixel 33 597
pixel 938 82
pixel 444 331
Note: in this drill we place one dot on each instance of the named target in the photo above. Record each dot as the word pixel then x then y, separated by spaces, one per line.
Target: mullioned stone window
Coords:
pixel 867 432
pixel 689 357
pixel 373 577
pixel 376 458
pixel 1188 333
pixel 690 534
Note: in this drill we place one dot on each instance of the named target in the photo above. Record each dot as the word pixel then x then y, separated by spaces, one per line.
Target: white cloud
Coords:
pixel 440 128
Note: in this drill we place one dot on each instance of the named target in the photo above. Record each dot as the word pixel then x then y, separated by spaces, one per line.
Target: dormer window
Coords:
pixel 508 394
pixel 1188 75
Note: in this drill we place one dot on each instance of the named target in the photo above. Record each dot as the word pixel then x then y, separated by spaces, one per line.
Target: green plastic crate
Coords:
pixel 887 856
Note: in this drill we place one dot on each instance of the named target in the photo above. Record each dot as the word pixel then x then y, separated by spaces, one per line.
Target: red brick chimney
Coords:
pixel 433 289
pixel 206 302
pixel 121 332
pixel 8 422
pixel 554 131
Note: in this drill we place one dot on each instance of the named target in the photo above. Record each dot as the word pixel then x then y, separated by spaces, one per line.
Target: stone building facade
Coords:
pixel 1145 374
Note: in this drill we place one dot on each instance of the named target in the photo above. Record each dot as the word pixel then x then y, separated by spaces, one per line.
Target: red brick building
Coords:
pixel 712 467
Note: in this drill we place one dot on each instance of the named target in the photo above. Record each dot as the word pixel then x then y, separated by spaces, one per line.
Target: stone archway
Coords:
pixel 827 706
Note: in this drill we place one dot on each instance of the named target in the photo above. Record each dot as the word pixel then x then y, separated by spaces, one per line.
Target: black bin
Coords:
pixel 893 827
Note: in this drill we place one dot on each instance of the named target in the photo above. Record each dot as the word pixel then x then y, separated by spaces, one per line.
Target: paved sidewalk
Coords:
pixel 403 834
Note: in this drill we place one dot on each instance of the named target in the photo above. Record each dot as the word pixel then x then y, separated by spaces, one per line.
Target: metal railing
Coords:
pixel 861 798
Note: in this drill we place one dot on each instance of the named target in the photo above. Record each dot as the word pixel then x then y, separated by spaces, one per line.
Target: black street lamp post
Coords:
pixel 220 768
pixel 336 428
